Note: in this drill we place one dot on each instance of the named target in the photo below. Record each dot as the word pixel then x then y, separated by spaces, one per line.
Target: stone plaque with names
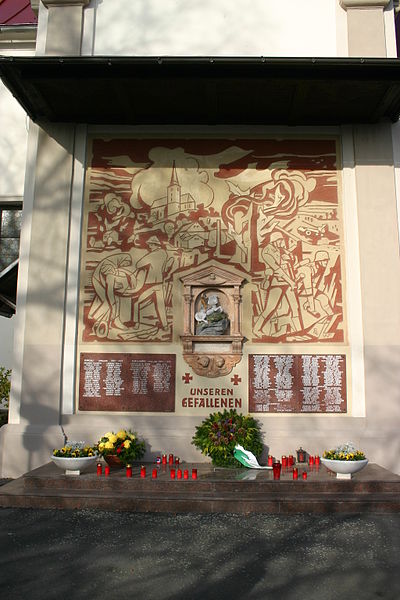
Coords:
pixel 297 383
pixel 127 382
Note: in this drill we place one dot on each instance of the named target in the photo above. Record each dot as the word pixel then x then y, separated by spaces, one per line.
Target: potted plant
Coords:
pixel 74 456
pixel 220 432
pixel 344 460
pixel 120 449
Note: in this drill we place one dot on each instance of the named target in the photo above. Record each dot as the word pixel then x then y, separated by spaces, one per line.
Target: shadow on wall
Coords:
pixel 179 28
pixel 381 440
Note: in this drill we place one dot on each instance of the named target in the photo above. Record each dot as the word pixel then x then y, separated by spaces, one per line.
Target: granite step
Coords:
pixel 216 490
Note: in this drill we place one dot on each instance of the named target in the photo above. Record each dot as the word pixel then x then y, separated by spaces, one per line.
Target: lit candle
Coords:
pixel 177 460
pixel 99 469
pixel 142 471
pixel 172 473
pixel 171 459
pixel 290 460
pixel 154 474
pixel 284 461
pixel 185 474
pixel 179 474
pixel 270 460
pixel 106 470
pixel 128 471
pixel 317 460
pixel 310 460
pixel 276 467
pixel 194 473
pixel 304 475
pixel 295 473
pixel 164 459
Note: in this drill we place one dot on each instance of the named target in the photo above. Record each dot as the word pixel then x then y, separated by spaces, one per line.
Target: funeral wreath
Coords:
pixel 124 445
pixel 220 432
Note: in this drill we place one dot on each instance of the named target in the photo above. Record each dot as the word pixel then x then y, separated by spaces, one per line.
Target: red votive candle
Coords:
pixel 310 460
pixel 128 471
pixel 295 473
pixel 142 472
pixel 276 468
pixel 270 460
pixel 194 473
pixel 177 460
pixel 99 469
pixel 171 459
pixel 290 460
pixel 317 460
pixel 179 474
pixel 164 459
pixel 172 473
pixel 304 475
pixel 284 461
pixel 106 470
pixel 185 474
pixel 154 474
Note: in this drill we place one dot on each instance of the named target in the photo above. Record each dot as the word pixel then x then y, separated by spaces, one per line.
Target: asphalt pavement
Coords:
pixel 81 554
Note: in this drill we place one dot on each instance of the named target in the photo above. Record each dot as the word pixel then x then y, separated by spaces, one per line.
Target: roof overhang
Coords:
pixel 8 290
pixel 171 90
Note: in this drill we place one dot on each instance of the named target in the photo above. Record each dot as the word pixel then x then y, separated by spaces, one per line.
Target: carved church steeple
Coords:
pixel 173 192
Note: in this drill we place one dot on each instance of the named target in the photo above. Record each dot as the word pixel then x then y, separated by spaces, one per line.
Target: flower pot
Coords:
pixel 74 466
pixel 344 469
pixel 113 461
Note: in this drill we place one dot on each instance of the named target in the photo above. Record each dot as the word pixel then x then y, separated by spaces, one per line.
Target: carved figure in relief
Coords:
pixel 111 279
pixel 154 266
pixel 311 275
pixel 113 218
pixel 211 318
pixel 279 285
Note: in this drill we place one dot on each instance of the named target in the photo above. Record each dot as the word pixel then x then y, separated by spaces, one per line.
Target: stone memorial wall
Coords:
pixel 172 225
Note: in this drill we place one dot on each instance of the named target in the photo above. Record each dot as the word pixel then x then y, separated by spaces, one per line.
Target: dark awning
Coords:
pixel 259 91
pixel 8 289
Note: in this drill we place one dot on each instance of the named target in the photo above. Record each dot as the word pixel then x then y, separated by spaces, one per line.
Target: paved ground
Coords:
pixel 74 555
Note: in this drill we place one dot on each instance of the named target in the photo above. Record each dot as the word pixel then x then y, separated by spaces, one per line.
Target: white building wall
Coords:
pixel 222 28
pixel 6 341
pixel 13 146
pixel 13 140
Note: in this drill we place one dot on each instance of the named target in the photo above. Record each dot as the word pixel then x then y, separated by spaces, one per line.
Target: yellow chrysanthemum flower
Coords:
pixel 109 445
pixel 112 438
pixel 101 446
pixel 127 443
pixel 121 435
pixel 107 435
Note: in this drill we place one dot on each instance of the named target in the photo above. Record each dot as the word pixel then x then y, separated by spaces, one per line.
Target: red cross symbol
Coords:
pixel 235 379
pixel 187 377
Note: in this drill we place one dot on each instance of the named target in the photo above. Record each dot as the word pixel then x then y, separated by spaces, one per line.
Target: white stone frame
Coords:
pixel 73 274
pixel 350 227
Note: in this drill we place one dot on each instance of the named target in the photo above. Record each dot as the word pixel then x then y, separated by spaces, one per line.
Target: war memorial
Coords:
pixel 210 225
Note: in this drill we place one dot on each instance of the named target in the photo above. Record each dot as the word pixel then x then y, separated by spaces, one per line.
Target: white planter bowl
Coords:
pixel 73 466
pixel 344 469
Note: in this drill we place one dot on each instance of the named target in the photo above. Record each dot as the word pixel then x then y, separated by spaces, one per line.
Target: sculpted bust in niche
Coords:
pixel 211 319
pixel 212 339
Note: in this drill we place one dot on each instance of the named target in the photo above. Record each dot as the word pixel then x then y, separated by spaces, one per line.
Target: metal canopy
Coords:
pixel 167 90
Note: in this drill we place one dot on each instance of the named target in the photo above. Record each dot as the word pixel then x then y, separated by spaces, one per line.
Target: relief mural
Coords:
pixel 156 209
